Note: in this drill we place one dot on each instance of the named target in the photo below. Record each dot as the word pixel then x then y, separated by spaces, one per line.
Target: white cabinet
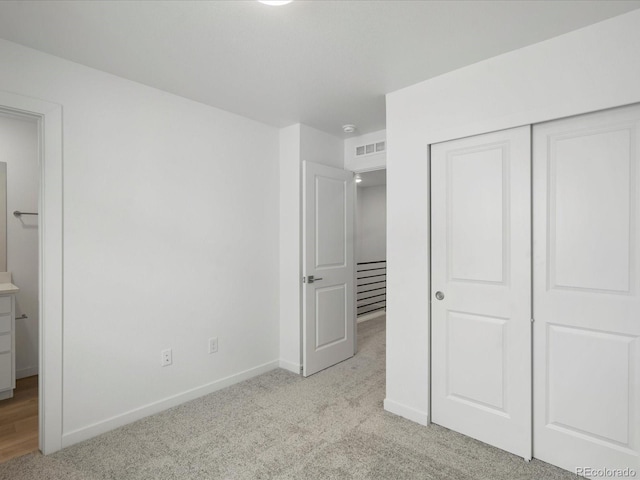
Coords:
pixel 7 346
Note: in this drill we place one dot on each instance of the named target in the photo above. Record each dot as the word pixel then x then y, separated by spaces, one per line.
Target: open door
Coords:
pixel 328 309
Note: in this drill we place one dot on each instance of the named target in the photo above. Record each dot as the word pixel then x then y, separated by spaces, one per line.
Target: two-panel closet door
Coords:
pixel 586 291
pixel 585 380
pixel 481 288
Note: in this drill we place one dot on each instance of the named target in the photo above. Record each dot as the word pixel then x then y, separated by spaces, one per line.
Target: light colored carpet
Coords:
pixel 280 425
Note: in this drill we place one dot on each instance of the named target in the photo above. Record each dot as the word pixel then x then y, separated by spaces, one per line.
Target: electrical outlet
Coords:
pixel 166 357
pixel 213 345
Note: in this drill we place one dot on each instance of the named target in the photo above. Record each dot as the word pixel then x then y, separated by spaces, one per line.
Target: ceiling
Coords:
pixel 373 178
pixel 322 63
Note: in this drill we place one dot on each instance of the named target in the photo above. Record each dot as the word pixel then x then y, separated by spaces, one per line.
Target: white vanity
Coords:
pixel 7 335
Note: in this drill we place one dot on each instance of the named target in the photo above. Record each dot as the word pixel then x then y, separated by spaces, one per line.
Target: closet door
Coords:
pixel 481 288
pixel 586 291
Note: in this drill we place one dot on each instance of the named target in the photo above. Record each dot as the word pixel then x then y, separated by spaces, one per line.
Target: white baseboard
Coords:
pixel 287 365
pixel 27 372
pixel 371 316
pixel 103 426
pixel 409 413
pixel 6 394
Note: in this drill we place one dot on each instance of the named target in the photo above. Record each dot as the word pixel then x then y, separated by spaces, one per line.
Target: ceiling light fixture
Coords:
pixel 349 128
pixel 275 3
pixel 358 178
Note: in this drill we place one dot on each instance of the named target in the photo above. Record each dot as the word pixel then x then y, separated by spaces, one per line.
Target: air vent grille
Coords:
pixel 370 149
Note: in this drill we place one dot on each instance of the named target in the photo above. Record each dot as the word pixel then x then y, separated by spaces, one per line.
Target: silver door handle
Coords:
pixel 311 279
pixel 439 295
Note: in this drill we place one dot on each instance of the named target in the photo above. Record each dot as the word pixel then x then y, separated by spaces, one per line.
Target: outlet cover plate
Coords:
pixel 166 357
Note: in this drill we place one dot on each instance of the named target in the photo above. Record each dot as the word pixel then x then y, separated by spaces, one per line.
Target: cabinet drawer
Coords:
pixel 5 304
pixel 5 343
pixel 5 323
pixel 6 377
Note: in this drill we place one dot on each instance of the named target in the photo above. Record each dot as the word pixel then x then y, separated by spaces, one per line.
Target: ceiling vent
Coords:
pixel 370 149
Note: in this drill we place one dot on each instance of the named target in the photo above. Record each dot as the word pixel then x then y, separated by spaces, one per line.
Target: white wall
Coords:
pixel 170 214
pixel 590 69
pixel 371 221
pixel 19 150
pixel 320 147
pixel 298 143
pixel 290 271
pixel 375 161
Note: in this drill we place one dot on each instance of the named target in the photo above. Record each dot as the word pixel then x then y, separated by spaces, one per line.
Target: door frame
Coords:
pixel 50 267
pixel 355 230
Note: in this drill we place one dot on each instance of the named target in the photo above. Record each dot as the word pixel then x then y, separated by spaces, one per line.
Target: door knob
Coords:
pixel 311 279
pixel 439 295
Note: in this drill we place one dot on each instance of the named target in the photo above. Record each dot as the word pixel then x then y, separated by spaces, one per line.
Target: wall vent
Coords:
pixel 370 149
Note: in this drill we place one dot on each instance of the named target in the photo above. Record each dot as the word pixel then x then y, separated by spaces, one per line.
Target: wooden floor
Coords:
pixel 19 420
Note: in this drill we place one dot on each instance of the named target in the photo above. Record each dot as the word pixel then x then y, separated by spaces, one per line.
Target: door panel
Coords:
pixel 480 383
pixel 589 176
pixel 566 378
pixel 586 299
pixel 328 256
pixel 331 318
pixel 330 222
pixel 477 228
pixel 481 261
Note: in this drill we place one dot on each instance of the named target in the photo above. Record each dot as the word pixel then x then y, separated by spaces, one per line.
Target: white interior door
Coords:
pixel 586 291
pixel 329 269
pixel 481 263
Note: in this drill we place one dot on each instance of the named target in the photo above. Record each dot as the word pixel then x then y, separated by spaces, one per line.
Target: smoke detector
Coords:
pixel 349 128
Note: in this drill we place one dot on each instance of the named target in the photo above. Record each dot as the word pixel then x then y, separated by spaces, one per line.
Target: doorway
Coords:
pixel 49 122
pixel 371 244
pixel 19 260
pixel 336 283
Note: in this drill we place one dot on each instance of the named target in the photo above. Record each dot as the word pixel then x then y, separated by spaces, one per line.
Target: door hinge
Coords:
pixel 532 320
